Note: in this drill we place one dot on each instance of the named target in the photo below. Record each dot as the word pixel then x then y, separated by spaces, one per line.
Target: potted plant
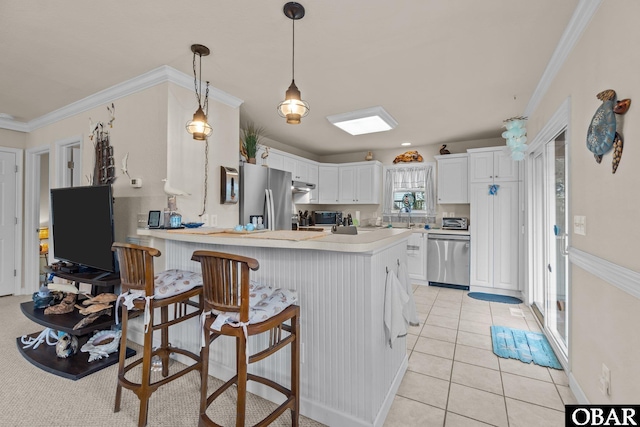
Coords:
pixel 251 136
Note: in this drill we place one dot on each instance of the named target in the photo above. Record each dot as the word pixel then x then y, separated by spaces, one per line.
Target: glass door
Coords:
pixel 538 264
pixel 558 226
pixel 549 238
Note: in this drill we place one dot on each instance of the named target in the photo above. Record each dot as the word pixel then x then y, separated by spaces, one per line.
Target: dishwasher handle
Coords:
pixel 435 236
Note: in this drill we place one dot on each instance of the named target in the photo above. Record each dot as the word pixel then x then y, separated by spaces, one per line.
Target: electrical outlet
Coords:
pixel 605 380
pixel 204 218
pixel 213 220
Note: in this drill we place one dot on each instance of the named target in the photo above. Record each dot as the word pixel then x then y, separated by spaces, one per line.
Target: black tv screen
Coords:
pixel 82 224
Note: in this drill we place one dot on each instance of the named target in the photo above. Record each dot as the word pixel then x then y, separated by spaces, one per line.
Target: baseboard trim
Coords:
pixel 622 278
pixel 577 391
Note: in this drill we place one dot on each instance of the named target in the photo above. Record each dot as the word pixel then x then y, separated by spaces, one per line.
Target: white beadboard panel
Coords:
pixel 347 369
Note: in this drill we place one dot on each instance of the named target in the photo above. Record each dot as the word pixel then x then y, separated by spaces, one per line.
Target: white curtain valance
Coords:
pixel 410 178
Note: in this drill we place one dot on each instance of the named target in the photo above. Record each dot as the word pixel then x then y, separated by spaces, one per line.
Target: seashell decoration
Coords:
pixel 101 344
pixel 67 345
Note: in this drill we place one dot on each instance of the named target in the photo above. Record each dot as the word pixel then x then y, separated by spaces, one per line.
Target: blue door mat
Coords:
pixel 495 298
pixel 525 346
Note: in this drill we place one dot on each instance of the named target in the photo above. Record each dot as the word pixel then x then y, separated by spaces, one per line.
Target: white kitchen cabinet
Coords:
pixel 328 184
pixel 492 165
pixel 495 234
pixel 417 256
pixel 312 178
pixel 289 165
pixel 360 184
pixel 453 178
pixel 275 160
pixel 299 168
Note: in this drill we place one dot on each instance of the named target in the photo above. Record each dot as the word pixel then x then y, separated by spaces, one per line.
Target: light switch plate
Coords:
pixel 580 225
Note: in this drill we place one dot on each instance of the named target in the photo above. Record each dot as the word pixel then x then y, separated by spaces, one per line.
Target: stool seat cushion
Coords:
pixel 173 282
pixel 264 303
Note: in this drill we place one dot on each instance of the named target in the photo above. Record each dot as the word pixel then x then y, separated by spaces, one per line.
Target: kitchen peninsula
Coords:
pixel 349 374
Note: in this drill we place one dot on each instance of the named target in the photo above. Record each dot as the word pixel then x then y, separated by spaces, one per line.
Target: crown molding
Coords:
pixel 576 26
pixel 162 74
pixel 11 124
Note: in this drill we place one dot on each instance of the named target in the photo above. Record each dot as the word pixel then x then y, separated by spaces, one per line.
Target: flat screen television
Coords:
pixel 82 224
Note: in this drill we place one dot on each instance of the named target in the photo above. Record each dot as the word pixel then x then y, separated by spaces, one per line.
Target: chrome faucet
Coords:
pixel 408 211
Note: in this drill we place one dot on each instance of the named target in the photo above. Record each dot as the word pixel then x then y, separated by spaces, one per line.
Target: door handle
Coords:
pixel 549 268
pixel 565 247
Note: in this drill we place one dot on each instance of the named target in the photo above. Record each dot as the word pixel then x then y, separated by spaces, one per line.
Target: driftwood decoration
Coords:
pixel 104 170
pixel 409 156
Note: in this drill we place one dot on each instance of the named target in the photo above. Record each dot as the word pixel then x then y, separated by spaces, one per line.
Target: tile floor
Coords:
pixel 454 379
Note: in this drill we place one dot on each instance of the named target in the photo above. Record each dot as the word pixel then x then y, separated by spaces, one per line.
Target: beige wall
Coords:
pixel 426 151
pixel 603 319
pixel 12 139
pixel 149 126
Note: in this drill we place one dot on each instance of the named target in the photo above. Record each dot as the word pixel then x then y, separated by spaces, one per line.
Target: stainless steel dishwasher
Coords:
pixel 448 260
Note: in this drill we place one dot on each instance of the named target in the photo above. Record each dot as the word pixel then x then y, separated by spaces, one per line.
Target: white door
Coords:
pixel 481 235
pixel 8 220
pixel 506 232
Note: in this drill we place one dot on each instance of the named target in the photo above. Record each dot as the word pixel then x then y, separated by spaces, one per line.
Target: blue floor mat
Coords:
pixel 525 346
pixel 495 298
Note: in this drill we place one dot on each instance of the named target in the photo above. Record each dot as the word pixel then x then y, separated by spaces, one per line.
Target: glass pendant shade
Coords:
pixel 293 108
pixel 199 127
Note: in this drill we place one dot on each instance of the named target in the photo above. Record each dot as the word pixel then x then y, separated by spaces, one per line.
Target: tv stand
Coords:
pixel 76 366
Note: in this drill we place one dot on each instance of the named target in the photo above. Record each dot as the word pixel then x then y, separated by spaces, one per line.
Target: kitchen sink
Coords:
pixel 404 225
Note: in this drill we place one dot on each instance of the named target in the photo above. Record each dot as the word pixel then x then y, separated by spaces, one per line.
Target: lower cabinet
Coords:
pixel 417 256
pixel 495 235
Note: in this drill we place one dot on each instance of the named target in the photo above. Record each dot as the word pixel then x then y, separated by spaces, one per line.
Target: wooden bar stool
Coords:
pixel 142 293
pixel 227 292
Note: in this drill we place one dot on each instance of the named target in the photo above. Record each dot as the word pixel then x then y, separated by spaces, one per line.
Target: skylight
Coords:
pixel 368 120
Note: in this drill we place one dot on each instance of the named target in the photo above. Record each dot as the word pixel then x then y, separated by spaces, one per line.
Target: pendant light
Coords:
pixel 199 127
pixel 293 108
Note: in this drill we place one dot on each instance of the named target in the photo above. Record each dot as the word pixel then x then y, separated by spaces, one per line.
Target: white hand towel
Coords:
pixel 395 299
pixel 409 310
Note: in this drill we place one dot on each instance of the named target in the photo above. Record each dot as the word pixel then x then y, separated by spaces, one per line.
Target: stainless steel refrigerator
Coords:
pixel 267 192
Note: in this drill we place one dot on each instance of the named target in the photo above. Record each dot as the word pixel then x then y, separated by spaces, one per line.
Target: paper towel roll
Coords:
pixel 358 216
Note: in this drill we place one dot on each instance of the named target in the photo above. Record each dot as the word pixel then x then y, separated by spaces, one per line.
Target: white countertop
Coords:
pixel 369 241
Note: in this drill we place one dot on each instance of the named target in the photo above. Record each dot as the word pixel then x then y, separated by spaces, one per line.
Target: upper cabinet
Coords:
pixel 345 183
pixel 453 178
pixel 328 190
pixel 360 183
pixel 492 165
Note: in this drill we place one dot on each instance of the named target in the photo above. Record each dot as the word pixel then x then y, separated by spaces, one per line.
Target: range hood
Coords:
pixel 301 187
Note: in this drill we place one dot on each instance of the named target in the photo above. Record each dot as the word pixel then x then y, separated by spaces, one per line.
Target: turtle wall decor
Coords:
pixel 603 133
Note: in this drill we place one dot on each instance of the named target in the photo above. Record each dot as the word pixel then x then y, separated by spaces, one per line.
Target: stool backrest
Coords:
pixel 226 281
pixel 136 266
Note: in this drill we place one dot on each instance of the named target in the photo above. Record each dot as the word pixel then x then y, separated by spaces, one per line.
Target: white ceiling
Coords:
pixel 446 70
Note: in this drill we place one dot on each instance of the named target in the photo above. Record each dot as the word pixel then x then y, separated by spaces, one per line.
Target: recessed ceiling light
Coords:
pixel 368 120
pixel 404 144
